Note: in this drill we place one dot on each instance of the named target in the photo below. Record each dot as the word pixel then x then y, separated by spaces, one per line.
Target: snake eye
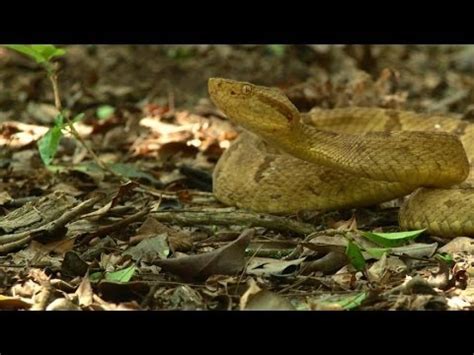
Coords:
pixel 246 89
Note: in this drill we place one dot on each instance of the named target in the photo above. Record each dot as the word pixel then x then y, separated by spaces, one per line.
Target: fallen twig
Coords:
pixel 247 219
pixel 118 225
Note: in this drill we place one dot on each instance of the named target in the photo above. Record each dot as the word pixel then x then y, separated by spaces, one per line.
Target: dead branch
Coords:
pixel 247 219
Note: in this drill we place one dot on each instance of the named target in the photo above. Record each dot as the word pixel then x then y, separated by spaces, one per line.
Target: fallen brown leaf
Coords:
pixel 11 303
pixel 228 260
pixel 256 298
pixel 84 292
pixel 268 266
pixel 62 304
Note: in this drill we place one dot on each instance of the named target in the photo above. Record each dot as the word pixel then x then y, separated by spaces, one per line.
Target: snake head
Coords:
pixel 260 109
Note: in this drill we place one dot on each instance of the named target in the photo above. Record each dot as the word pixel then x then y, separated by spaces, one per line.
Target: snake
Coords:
pixel 286 161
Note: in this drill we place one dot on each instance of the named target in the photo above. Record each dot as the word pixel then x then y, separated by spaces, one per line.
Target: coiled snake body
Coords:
pixel 287 161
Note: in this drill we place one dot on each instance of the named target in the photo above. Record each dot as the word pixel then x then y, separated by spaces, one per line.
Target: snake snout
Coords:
pixel 213 85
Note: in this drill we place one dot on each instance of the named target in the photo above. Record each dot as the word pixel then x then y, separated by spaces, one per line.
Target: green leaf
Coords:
pixel 130 171
pixel 59 121
pixel 180 52
pixel 49 143
pixel 278 50
pixel 355 256
pixel 96 276
pixel 39 52
pixel 121 276
pixel 28 51
pixel 346 302
pixel 389 240
pixel 445 257
pixel 48 51
pixel 104 112
pixel 377 253
pixel 352 301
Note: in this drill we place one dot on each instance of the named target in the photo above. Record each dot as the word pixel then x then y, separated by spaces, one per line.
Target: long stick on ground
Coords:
pixel 226 217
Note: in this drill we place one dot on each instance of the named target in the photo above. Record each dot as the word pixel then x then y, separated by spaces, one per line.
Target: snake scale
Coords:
pixel 286 161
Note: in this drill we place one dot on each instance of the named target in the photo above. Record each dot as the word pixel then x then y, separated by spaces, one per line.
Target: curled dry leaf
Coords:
pixel 178 240
pixel 382 269
pixel 84 292
pixel 328 264
pixel 256 298
pixel 346 277
pixel 252 290
pixel 349 225
pixel 62 304
pixel 122 193
pixel 16 134
pixel 25 290
pixel 269 266
pixel 228 260
pixel 149 228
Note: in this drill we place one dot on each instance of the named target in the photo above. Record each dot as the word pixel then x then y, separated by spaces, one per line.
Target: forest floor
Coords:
pixel 147 233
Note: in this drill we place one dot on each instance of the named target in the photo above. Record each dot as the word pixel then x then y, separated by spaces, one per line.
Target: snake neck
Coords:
pixel 377 155
pixel 310 144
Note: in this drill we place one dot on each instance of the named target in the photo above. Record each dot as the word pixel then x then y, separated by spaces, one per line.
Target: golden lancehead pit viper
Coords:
pixel 287 161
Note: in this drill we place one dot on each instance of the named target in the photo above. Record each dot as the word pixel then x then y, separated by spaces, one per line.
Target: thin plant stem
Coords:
pixel 53 77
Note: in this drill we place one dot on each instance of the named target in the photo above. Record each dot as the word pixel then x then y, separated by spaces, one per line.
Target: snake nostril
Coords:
pixel 232 92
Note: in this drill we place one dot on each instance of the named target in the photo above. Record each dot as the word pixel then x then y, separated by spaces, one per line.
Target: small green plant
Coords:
pixel 121 276
pixel 346 302
pixel 354 254
pixel 180 52
pixel 104 112
pixel 44 55
pixel 386 241
pixel 389 240
pixel 278 50
pixel 48 145
pixel 445 258
pixel 41 53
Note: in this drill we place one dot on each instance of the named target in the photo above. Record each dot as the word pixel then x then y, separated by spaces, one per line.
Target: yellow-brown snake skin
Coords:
pixel 287 161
